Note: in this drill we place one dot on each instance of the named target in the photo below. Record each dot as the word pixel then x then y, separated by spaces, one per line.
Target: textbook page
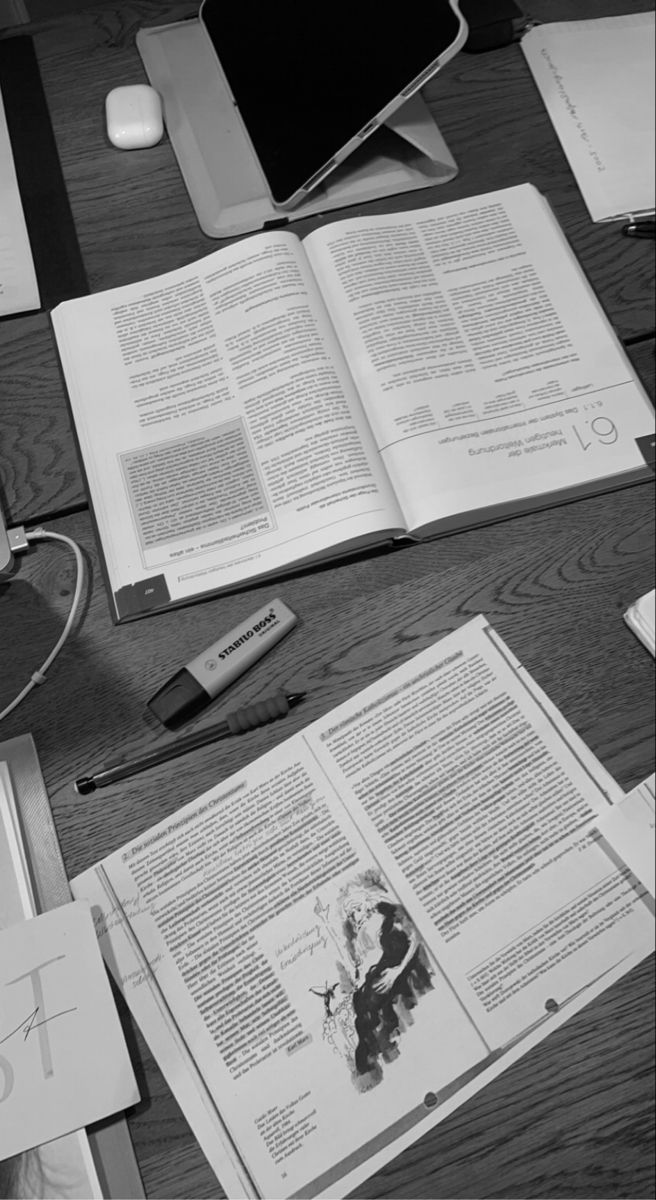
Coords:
pixel 354 931
pixel 220 429
pixel 596 79
pixel 19 290
pixel 487 369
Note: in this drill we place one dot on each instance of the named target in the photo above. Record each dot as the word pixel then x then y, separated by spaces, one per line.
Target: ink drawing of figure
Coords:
pixel 390 973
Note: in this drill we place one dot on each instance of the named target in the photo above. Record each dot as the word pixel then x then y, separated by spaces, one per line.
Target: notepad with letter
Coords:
pixel 99 1162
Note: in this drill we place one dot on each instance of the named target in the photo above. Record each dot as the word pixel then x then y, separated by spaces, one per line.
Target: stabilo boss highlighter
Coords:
pixel 192 688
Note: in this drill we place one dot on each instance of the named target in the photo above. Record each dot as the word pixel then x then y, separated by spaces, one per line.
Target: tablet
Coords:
pixel 310 83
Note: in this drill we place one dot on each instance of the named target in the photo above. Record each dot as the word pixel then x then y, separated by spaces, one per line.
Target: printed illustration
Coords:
pixel 327 995
pixel 383 970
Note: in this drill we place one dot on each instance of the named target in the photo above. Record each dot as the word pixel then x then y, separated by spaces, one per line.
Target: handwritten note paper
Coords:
pixel 63 1059
pixel 596 79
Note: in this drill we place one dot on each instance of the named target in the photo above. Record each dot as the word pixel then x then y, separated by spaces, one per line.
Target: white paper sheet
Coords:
pixel 629 829
pixel 19 290
pixel 597 82
pixel 641 618
pixel 63 1059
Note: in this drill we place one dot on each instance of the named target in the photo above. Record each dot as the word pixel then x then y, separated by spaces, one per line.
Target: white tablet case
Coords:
pixel 223 178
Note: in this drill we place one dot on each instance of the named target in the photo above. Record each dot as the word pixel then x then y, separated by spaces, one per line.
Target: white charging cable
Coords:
pixel 18 540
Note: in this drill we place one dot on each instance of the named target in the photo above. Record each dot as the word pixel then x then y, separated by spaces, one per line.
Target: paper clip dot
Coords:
pixel 430 1100
pixel 552 1006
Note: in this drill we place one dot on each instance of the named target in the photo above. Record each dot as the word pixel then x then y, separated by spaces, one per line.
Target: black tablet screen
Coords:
pixel 307 78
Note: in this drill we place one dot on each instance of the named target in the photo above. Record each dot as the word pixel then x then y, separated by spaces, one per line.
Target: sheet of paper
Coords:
pixel 63 1059
pixel 19 290
pixel 596 79
pixel 629 829
pixel 641 618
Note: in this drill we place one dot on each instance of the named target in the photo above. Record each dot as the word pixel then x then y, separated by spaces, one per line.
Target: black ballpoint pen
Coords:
pixel 640 227
pixel 243 719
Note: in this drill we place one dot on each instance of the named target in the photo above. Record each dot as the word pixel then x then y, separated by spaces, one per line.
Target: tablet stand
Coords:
pixel 223 177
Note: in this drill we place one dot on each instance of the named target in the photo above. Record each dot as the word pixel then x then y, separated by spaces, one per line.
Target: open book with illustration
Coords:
pixel 283 401
pixel 332 949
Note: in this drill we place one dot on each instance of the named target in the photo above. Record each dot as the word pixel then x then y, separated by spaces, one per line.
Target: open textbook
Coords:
pixel 283 401
pixel 334 948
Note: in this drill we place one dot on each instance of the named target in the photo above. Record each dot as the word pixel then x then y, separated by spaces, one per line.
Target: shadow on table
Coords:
pixel 31 624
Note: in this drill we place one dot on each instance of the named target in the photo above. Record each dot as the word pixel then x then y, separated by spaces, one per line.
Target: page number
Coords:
pixel 602 430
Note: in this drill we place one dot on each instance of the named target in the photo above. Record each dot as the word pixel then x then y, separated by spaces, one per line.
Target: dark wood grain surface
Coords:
pixel 575 1117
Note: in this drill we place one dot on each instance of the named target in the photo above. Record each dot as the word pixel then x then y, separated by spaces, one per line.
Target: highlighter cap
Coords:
pixel 180 699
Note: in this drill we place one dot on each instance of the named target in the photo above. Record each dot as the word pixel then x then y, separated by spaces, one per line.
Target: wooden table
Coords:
pixel 575 1117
